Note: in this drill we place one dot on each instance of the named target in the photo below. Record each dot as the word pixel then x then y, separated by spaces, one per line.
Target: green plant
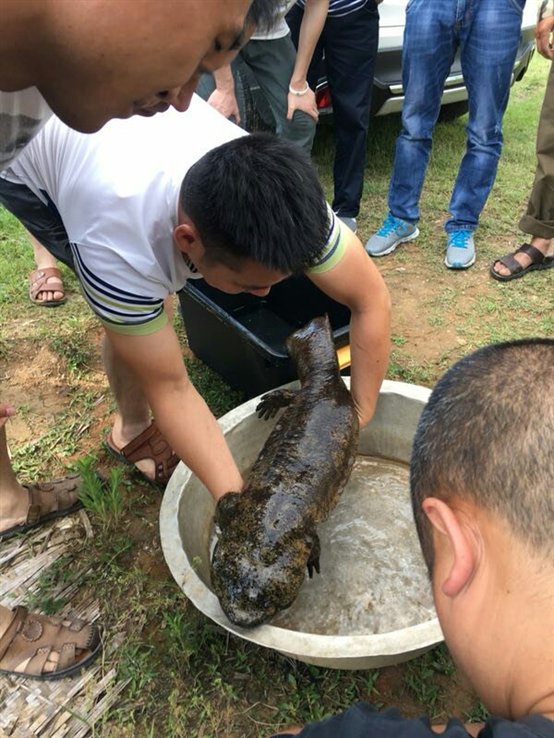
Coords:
pixel 46 594
pixel 477 714
pixel 101 497
pixel 421 677
pixel 136 667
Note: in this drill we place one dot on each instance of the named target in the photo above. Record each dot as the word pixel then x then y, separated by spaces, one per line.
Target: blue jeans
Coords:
pixel 487 33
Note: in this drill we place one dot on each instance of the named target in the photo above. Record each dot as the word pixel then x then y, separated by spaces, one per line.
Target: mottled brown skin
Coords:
pixel 268 531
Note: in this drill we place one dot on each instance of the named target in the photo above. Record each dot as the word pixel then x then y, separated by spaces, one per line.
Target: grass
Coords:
pixel 101 497
pixel 185 675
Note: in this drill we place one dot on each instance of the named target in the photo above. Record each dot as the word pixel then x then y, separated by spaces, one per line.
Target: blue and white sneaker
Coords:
pixel 392 233
pixel 460 249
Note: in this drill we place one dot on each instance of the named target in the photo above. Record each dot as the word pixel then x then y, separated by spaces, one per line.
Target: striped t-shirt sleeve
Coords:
pixel 335 247
pixel 119 310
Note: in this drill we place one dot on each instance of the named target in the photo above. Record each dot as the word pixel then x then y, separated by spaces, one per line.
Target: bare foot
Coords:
pixel 46 286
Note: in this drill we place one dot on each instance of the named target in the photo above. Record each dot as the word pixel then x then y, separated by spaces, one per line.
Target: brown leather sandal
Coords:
pixel 48 279
pixel 30 640
pixel 48 501
pixel 150 444
pixel 538 261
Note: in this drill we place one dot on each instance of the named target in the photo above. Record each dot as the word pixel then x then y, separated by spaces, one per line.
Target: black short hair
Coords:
pixel 257 197
pixel 487 434
pixel 263 13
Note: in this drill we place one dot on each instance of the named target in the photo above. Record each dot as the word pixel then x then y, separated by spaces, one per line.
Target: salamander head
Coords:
pixel 253 584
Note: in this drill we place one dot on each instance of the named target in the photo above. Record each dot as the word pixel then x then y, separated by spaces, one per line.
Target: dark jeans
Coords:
pixel 350 47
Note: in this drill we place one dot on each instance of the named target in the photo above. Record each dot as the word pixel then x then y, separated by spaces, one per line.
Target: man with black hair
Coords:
pixel 249 212
pixel 482 481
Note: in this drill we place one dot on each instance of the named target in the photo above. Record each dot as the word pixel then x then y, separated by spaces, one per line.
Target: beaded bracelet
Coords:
pixel 299 93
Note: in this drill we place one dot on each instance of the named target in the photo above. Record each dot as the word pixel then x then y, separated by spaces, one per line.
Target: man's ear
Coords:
pixel 455 540
pixel 185 237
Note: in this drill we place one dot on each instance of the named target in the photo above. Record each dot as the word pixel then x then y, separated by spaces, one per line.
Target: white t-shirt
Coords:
pixel 117 191
pixel 279 28
pixel 22 114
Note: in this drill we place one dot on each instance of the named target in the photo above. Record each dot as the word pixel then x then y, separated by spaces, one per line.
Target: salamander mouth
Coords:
pixel 249 618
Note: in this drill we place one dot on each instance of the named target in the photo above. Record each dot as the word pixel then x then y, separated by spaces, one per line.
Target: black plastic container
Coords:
pixel 242 337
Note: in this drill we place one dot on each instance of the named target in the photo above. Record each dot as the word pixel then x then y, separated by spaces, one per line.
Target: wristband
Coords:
pixel 299 93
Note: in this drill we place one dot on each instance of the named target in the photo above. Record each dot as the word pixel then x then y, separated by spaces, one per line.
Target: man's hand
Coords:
pixel 223 98
pixel 304 102
pixel 6 412
pixel 225 102
pixel 543 35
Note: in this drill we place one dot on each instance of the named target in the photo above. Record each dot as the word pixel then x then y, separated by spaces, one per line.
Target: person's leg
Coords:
pixel 427 55
pixel 51 289
pixel 538 220
pixel 272 63
pixel 43 221
pixel 133 420
pixel 13 500
pixel 16 500
pixel 133 412
pixel 489 39
pixel 25 506
pixel 350 44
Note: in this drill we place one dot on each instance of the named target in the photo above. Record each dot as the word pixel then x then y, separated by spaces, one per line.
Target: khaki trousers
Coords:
pixel 539 218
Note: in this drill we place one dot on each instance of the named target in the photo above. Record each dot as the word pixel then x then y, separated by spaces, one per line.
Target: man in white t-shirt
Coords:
pixel 116 208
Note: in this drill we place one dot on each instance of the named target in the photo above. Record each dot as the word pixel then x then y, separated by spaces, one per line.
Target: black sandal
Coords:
pixel 538 261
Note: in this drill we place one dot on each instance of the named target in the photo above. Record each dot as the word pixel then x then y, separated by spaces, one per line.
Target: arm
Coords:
pixel 357 283
pixel 181 414
pixel 315 15
pixel 543 34
pixel 223 98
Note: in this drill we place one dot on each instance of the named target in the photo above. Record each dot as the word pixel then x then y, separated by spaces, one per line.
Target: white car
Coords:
pixel 388 94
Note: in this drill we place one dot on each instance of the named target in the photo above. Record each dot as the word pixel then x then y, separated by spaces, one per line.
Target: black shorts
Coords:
pixel 41 219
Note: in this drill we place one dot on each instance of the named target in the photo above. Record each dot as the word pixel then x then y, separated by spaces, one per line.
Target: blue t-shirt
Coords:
pixel 364 721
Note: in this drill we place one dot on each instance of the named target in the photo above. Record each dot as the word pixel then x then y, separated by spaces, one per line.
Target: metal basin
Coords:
pixel 186 526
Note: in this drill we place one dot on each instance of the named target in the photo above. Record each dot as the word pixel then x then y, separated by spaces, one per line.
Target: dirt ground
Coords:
pixel 34 364
pixel 428 335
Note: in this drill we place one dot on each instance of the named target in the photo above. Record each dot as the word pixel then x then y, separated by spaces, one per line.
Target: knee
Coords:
pixel 485 138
